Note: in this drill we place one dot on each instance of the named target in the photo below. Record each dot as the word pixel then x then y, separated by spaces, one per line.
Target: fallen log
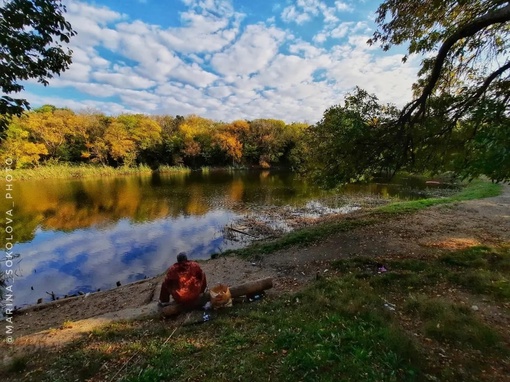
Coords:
pixel 249 288
pixel 241 232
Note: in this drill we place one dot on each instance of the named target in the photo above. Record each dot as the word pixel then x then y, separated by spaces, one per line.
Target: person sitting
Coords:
pixel 184 281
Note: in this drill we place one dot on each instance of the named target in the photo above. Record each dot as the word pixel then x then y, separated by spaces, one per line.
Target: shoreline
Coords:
pixel 431 235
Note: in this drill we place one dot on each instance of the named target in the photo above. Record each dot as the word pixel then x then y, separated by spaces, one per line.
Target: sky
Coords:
pixel 224 59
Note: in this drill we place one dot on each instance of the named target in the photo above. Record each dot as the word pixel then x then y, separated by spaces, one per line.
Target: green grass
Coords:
pixel 448 322
pixel 318 334
pixel 475 190
pixel 479 270
pixel 338 328
pixel 64 171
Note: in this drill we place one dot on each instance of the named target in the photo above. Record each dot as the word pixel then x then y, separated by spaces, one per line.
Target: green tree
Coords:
pixel 352 141
pixel 463 89
pixel 31 37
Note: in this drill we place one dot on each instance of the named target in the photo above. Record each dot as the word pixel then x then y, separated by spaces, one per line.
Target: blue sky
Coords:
pixel 224 59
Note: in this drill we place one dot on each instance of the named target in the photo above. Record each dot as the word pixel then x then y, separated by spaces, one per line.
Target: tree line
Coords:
pixel 49 135
pixel 458 119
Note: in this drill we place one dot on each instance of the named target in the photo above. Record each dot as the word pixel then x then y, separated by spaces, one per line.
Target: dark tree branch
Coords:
pixel 481 90
pixel 497 16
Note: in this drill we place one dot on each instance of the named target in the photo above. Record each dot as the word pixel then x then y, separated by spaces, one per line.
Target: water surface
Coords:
pixel 83 235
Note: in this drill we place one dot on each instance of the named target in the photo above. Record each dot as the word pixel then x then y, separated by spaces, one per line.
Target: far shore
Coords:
pixel 78 171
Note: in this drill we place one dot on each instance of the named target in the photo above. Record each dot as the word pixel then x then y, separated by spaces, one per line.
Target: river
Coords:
pixel 79 236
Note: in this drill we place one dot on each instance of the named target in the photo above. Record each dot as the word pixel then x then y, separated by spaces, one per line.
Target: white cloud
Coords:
pixel 320 37
pixel 341 6
pixel 305 49
pixel 304 10
pixel 251 53
pixel 285 71
pixel 341 30
pixel 123 80
pixel 218 65
pixel 291 14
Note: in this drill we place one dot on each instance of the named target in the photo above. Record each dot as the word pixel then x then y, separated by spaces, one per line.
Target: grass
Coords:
pixel 338 328
pixel 448 322
pixel 63 171
pixel 317 333
pixel 480 270
pixel 305 236
pixel 475 190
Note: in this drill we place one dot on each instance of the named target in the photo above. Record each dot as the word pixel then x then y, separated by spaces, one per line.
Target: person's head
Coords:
pixel 181 257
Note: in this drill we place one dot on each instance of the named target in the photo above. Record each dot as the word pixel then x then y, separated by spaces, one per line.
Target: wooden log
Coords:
pixel 241 232
pixel 248 288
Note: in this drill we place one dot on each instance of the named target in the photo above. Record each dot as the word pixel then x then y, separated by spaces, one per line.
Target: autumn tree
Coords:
pixel 91 129
pixel 230 145
pixel 145 133
pixel 31 36
pixel 121 147
pixel 196 135
pixel 264 141
pixel 52 127
pixel 17 146
pixel 466 69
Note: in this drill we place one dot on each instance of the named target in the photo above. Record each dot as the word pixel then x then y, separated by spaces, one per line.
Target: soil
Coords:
pixel 440 228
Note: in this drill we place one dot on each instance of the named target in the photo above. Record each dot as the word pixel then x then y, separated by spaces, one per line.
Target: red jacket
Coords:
pixel 184 281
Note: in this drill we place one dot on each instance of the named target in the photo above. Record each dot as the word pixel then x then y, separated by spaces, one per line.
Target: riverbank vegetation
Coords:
pixel 65 171
pixel 352 142
pixel 353 323
pixel 49 136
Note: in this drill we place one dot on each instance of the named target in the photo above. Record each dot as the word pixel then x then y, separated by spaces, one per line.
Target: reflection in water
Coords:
pixel 84 235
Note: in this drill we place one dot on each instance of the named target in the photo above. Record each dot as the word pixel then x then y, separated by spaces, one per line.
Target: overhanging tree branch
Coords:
pixel 482 89
pixel 497 16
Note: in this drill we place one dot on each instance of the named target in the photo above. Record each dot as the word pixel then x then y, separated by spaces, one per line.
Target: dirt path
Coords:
pixel 454 226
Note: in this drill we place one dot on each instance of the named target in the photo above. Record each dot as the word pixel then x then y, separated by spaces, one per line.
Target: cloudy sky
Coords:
pixel 224 59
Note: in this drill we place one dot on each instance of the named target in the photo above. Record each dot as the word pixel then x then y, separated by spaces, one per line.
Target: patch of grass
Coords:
pixel 475 190
pixel 480 257
pixel 401 279
pixel 64 170
pixel 337 329
pixel 76 364
pixel 162 367
pixel 401 275
pixel 484 282
pixel 481 270
pixel 447 322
